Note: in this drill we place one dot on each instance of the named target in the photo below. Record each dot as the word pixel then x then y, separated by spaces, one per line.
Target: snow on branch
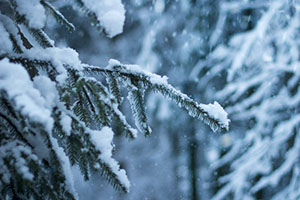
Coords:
pixel 106 14
pixel 5 43
pixel 16 83
pixel 212 114
pixel 63 115
pixel 103 142
pixel 33 11
pixel 263 87
pixel 58 16
pixel 97 148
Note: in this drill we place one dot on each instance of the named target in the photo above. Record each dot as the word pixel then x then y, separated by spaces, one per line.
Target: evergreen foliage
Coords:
pixel 56 112
pixel 260 65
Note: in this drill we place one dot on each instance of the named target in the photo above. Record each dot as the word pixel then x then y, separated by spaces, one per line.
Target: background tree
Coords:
pixel 259 60
pixel 57 112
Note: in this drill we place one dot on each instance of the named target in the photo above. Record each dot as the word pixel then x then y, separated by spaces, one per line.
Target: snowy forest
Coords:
pixel 149 99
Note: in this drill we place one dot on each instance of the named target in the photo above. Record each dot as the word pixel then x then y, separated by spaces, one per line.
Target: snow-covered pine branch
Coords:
pixel 58 16
pixel 55 114
pixel 106 15
pixel 212 114
pixel 262 94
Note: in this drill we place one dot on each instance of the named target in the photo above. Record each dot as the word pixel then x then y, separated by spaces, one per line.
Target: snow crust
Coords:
pixel 111 14
pixel 15 80
pixel 34 12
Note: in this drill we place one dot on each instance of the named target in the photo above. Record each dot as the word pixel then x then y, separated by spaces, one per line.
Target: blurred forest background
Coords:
pixel 242 53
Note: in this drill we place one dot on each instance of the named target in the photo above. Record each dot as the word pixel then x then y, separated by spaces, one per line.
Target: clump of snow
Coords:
pixel 217 112
pixel 59 57
pixel 15 80
pixel 20 164
pixel 113 62
pixel 66 123
pixel 158 79
pixel 153 78
pixel 113 22
pixel 5 44
pixel 111 14
pixel 47 89
pixel 34 12
pixel 19 156
pixel 103 142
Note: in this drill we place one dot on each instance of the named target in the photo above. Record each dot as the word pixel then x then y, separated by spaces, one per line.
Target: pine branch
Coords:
pixel 11 120
pixel 83 152
pixel 130 132
pixel 113 85
pixel 91 15
pixel 112 178
pixel 81 111
pixel 73 147
pixel 101 98
pixel 26 43
pixel 15 35
pixel 13 128
pixel 136 100
pixel 60 18
pixel 90 105
pixel 56 164
pixel 160 85
pixel 41 37
pixel 85 89
pixel 24 129
pixel 33 65
pixel 16 47
pixel 90 156
pixel 22 186
pixel 101 113
pixel 103 106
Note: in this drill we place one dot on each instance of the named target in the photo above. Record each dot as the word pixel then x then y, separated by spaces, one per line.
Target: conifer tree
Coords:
pixel 260 65
pixel 56 112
